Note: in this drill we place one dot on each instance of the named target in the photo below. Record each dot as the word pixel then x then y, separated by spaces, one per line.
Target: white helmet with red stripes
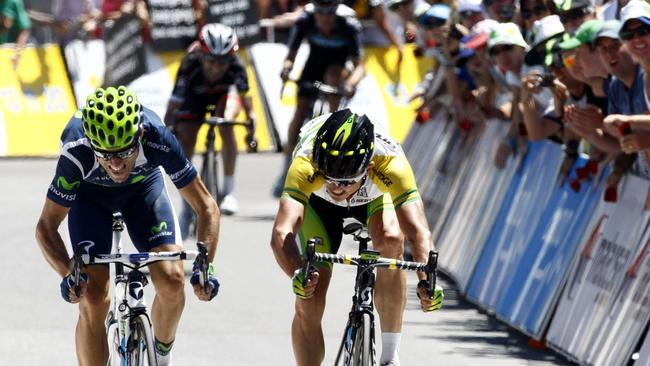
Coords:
pixel 218 39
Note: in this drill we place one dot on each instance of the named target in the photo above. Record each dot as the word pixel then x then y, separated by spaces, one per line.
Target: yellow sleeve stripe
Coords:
pixel 348 259
pixel 393 264
pixel 408 196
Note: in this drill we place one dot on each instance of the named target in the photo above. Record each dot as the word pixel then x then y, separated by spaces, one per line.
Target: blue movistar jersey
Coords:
pixel 78 165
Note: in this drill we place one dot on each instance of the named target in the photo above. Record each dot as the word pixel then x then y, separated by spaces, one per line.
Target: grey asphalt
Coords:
pixel 249 322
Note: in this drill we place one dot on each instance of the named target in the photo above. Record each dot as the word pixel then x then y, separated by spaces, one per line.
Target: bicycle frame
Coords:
pixel 128 303
pixel 363 299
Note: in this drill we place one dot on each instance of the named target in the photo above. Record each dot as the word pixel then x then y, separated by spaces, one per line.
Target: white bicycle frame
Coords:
pixel 128 298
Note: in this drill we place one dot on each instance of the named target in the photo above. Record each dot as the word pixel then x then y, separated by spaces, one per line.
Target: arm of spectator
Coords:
pixel 21 42
pixel 538 127
pixel 603 141
pixel 635 141
pixel 379 16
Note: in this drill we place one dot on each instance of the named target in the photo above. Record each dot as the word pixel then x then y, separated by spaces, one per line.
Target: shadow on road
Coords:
pixel 477 334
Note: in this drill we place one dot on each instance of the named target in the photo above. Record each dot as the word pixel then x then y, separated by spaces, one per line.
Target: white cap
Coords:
pixel 635 9
pixel 506 33
pixel 484 26
pixel 470 5
pixel 546 28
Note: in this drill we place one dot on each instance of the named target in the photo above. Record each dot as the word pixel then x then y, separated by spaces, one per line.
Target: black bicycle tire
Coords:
pixel 362 351
pixel 209 173
pixel 142 328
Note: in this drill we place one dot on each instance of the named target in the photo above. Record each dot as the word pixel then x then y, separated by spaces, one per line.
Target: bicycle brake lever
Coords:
pixel 203 265
pixel 76 270
pixel 432 265
pixel 310 251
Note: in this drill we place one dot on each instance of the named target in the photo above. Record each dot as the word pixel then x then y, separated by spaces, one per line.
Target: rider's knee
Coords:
pixel 96 298
pixel 310 311
pixel 171 284
pixel 390 243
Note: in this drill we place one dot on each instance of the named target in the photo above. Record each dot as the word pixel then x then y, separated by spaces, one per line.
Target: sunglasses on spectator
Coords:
pixel 629 34
pixel 325 10
pixel 539 10
pixel 433 23
pixel 569 61
pixel 344 182
pixel 496 50
pixel 468 13
pixel 574 14
pixel 122 154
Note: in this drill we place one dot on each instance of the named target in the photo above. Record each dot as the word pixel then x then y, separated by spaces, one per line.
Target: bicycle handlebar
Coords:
pixel 321 87
pixel 250 129
pixel 135 260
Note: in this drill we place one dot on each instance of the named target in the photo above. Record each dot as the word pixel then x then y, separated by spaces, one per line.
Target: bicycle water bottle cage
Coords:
pixel 118 222
pixel 137 282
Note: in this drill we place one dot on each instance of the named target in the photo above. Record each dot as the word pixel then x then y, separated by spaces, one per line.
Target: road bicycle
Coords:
pixel 128 326
pixel 357 347
pixel 320 104
pixel 209 167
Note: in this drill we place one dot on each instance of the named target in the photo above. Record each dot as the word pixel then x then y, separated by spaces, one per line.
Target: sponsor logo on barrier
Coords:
pixel 610 259
pixel 585 257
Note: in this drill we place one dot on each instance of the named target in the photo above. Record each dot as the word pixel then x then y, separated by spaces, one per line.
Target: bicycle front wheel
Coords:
pixel 114 351
pixel 142 348
pixel 362 350
pixel 209 174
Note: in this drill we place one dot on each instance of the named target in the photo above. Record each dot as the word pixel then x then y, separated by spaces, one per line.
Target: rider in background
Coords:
pixel 343 167
pixel 205 79
pixel 332 31
pixel 111 154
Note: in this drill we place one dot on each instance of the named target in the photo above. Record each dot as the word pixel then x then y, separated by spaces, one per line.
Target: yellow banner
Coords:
pixel 36 101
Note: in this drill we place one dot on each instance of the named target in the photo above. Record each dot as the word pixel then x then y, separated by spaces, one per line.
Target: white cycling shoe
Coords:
pixel 229 205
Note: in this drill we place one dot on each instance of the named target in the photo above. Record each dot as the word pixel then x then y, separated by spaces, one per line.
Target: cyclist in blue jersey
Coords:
pixel 113 152
pixel 333 33
pixel 205 78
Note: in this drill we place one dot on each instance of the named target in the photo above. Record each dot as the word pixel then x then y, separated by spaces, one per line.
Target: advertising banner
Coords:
pixel 174 24
pixel 36 101
pixel 537 280
pixel 603 276
pixel 125 58
pixel 86 62
pixel 238 14
pixel 507 243
pixel 481 195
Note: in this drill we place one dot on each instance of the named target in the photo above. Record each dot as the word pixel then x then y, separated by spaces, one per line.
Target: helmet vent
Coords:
pixel 100 106
pixel 109 110
pixel 120 115
pixel 128 126
pixel 128 111
pixel 102 135
pixel 120 91
pixel 110 125
pixel 99 94
pixel 110 98
pixel 111 139
pixel 128 140
pixel 120 104
pixel 100 118
pixel 91 114
pixel 129 99
pixel 120 132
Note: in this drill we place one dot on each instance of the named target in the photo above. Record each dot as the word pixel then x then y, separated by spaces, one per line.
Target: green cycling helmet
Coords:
pixel 111 118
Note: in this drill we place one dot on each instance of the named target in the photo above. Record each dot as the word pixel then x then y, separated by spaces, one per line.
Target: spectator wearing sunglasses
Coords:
pixel 502 11
pixel 573 13
pixel 635 35
pixel 531 11
pixel 470 12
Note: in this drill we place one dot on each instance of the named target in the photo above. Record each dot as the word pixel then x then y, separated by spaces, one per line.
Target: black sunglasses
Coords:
pixel 343 182
pixel 539 10
pixel 432 23
pixel 468 13
pixel 629 34
pixel 213 59
pixel 123 154
pixel 574 14
pixel 496 50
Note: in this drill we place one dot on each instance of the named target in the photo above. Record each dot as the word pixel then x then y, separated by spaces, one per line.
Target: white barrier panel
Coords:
pixel 470 221
pixel 506 245
pixel 644 353
pixel 611 241
pixel 629 314
pixel 423 146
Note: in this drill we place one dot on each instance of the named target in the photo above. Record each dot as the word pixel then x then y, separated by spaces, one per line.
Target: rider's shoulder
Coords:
pixel 385 144
pixel 190 61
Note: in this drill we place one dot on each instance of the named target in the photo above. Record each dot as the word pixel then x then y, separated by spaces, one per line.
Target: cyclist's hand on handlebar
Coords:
pixel 251 141
pixel 305 292
pixel 429 302
pixel 284 74
pixel 68 289
pixel 199 290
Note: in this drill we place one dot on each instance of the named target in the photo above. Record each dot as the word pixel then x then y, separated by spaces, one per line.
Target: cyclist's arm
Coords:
pixel 358 72
pixel 207 212
pixel 49 239
pixel 287 224
pixel 172 107
pixel 413 223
